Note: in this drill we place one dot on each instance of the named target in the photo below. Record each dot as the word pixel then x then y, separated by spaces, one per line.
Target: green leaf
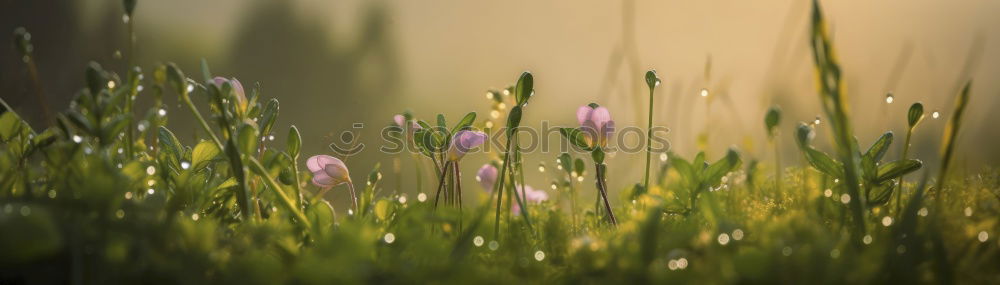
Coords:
pixel 247 138
pixel 169 145
pixel 566 161
pixel 203 152
pixel 579 167
pixel 684 169
pixel 803 134
pixel 772 119
pixel 897 168
pixel 652 80
pixel 383 208
pixel 465 122
pixel 598 155
pixel 294 142
pixel 824 163
pixel 321 215
pixel 10 125
pixel 915 114
pixel 231 182
pixel 699 163
pixel 205 71
pixel 715 172
pixel 879 147
pixel 575 137
pixel 268 117
pixel 441 122
pixel 513 120
pixel 97 80
pixel 525 88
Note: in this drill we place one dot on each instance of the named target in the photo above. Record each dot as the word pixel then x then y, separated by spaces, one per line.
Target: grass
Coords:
pixel 80 203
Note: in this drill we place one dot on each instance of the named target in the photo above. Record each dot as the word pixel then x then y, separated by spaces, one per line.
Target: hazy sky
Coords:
pixel 452 51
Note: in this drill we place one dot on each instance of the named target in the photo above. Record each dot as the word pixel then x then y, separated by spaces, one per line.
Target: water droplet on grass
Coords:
pixel 539 255
pixel 185 165
pixel 162 112
pixel 389 238
pixel 886 221
pixel 889 98
pixel 663 157
pixel 25 211
pixel 922 212
pixel 828 193
pixel 494 245
pixel 723 238
pixel 421 197
pixel 867 239
pixel 77 139
pixel 845 198
pixel 983 236
pixel 151 170
pixel 195 216
pixel 704 92
pixel 150 191
pixel 478 241
pixel 968 211
pixel 737 234
pixel 936 114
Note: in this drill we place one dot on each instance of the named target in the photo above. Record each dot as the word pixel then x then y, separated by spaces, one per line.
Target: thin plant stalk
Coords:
pixel 649 138
pixel 271 183
pixel 603 187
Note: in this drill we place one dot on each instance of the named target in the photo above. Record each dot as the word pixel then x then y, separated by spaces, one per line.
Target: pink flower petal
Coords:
pixel 600 116
pixel 338 172
pixel 487 176
pixel 583 113
pixel 400 120
pixel 318 162
pixel 322 180
pixel 463 142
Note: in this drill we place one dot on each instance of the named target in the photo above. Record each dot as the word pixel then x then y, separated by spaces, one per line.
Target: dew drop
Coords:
pixel 162 112
pixel 389 238
pixel 270 138
pixel 554 186
pixel 501 106
pixel 25 211
pixel 968 211
pixel 704 92
pixel 845 198
pixel 787 251
pixel 541 168
pixel 936 114
pixel 126 18
pixel 672 264
pixel 195 216
pixel 682 263
pixel 816 121
pixel 539 255
pixel 111 85
pixel 886 221
pixel 489 124
pixel 922 212
pixel 150 191
pixel 889 98
pixel 77 139
pixel 723 238
pixel 663 157
pixel 128 195
pixel 402 199
pixel 983 236
pixel 867 239
pixel 495 114
pixel 489 95
pixel 828 193
pixel 151 170
pixel 185 165
pixel 52 194
pixel 478 241
pixel 494 245
pixel 190 88
pixel 579 178
pixel 737 234
pixel 120 213
pixel 835 253
pixel 421 197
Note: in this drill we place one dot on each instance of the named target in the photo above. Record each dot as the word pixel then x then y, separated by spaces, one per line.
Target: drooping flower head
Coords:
pixel 327 171
pixel 463 142
pixel 241 97
pixel 487 176
pixel 596 124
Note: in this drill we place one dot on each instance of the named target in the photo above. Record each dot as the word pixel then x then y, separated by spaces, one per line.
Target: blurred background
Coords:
pixel 336 63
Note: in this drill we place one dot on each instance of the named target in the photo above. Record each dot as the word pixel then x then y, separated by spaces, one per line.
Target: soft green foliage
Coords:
pixel 89 200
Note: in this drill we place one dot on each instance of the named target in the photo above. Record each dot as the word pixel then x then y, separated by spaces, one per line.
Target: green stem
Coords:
pixel 649 139
pixel 899 195
pixel 498 189
pixel 271 183
pixel 185 96
pixel 603 188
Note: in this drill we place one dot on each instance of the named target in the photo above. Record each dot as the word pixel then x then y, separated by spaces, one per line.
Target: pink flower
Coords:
pixel 241 97
pixel 401 122
pixel 596 124
pixel 531 196
pixel 327 171
pixel 463 142
pixel 487 176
